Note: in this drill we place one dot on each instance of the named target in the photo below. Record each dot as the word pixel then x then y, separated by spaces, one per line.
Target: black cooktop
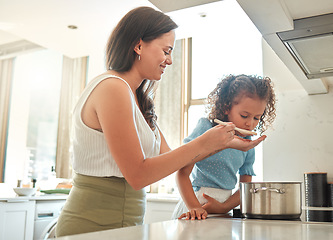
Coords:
pixel 306 216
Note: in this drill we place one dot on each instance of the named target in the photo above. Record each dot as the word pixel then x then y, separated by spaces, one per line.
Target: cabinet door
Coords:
pixel 17 220
pixel 158 211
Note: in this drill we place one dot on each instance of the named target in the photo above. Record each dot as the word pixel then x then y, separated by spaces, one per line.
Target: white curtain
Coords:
pixel 168 107
pixel 6 72
pixel 73 82
pixel 168 100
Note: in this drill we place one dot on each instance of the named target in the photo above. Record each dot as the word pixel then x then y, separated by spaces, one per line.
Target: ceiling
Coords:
pixel 173 5
pixel 45 23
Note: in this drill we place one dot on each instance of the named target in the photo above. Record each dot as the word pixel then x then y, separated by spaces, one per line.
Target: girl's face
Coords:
pixel 156 55
pixel 245 112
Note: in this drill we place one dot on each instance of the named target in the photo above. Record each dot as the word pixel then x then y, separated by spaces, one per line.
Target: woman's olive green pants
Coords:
pixel 100 203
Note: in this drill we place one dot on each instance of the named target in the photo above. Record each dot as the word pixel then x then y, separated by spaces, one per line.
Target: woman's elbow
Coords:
pixel 137 187
pixel 136 183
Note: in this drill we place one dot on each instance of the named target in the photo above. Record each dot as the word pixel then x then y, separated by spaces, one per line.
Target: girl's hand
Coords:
pixel 213 206
pixel 194 213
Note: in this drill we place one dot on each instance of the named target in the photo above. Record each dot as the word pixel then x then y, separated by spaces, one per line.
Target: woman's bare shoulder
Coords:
pixel 112 87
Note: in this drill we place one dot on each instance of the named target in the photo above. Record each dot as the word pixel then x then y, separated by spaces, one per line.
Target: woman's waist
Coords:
pixel 106 184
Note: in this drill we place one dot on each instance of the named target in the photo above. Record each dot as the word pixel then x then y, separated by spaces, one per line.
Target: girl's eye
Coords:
pixel 166 53
pixel 243 116
pixel 257 119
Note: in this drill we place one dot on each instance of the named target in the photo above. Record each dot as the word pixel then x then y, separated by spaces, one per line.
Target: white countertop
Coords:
pixel 216 228
pixel 13 197
pixel 155 197
pixel 7 194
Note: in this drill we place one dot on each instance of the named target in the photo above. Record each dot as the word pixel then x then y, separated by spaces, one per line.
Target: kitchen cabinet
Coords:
pixel 28 217
pixel 17 219
pixel 46 216
pixel 159 208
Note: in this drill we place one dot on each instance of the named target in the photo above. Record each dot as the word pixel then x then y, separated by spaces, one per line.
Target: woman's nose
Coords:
pixel 168 60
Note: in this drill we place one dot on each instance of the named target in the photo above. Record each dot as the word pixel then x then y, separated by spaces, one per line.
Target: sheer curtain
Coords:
pixel 168 107
pixel 73 82
pixel 168 99
pixel 6 72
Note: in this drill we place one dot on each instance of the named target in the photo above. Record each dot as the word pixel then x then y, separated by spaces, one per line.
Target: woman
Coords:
pixel 118 147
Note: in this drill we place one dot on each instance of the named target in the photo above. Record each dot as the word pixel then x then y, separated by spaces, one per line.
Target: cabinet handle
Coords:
pixel 44 215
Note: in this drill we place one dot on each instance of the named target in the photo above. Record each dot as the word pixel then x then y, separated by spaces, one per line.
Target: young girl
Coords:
pixel 249 103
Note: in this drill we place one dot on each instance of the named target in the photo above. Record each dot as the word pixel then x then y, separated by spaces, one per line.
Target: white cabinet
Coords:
pixel 159 209
pixel 17 219
pixel 46 216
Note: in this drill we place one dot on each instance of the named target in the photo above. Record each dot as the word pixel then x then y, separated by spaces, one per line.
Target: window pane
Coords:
pixel 231 46
pixel 195 112
pixel 33 119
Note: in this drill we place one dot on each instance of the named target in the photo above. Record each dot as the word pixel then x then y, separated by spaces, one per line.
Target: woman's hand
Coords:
pixel 221 137
pixel 218 137
pixel 244 144
pixel 194 213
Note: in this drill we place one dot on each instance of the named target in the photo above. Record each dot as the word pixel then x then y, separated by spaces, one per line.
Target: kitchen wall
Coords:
pixel 96 65
pixel 301 140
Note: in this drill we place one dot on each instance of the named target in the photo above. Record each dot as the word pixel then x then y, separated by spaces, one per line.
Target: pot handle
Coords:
pixel 255 190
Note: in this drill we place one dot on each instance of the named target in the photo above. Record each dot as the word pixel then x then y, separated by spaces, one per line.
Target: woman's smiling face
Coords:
pixel 246 112
pixel 156 55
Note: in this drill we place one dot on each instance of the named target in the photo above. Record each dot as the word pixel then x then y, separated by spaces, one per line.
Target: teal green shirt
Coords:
pixel 220 169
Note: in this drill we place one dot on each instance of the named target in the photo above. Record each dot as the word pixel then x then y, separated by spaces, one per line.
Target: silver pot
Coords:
pixel 271 200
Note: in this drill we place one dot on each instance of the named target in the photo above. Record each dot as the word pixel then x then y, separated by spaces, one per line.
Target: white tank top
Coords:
pixel 91 154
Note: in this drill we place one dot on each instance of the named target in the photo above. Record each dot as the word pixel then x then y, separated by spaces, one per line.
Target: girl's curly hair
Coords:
pixel 220 100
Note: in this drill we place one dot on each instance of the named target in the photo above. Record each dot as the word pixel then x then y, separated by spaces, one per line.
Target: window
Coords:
pixel 231 46
pixel 224 42
pixel 33 116
pixel 36 115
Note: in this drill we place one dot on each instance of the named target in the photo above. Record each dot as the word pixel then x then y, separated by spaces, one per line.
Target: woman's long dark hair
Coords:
pixel 220 100
pixel 143 23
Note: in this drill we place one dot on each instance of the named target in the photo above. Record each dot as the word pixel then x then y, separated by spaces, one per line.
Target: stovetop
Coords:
pixel 308 215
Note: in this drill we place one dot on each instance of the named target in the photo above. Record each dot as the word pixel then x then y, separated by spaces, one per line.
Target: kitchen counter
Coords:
pixel 155 197
pixel 216 227
pixel 38 196
pixel 7 194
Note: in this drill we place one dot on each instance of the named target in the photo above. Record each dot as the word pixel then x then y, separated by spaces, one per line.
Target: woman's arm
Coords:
pixel 109 107
pixel 213 206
